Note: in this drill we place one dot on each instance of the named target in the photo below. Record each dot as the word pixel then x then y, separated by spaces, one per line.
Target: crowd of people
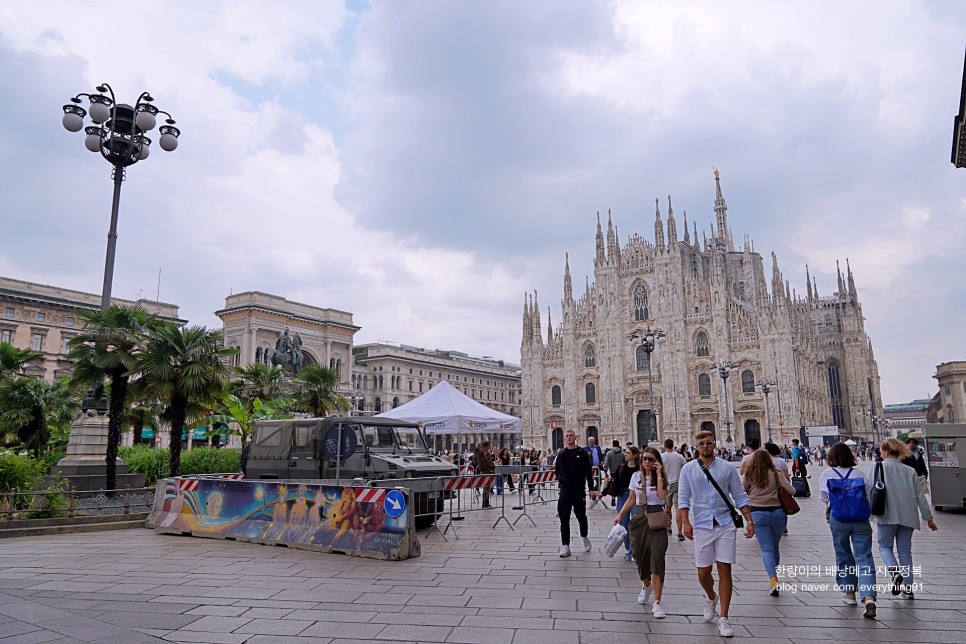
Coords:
pixel 702 497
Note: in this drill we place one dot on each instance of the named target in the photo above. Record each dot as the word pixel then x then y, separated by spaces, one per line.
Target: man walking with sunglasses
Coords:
pixel 709 491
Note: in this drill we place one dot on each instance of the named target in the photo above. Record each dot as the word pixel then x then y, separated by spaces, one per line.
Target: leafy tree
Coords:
pixel 108 348
pixel 185 369
pixel 13 360
pixel 30 408
pixel 234 411
pixel 317 393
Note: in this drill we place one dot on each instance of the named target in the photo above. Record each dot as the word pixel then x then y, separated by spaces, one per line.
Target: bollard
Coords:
pixel 72 502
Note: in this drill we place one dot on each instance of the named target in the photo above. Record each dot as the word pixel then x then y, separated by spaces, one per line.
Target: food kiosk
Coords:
pixel 946 456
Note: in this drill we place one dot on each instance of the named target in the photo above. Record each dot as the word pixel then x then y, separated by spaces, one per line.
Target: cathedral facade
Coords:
pixel 795 361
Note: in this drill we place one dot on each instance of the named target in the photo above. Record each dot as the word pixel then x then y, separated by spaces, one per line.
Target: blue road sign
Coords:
pixel 395 503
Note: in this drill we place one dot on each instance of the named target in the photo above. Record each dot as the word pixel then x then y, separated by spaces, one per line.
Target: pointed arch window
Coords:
pixel 555 395
pixel 640 303
pixel 642 358
pixel 702 348
pixel 747 382
pixel 704 385
pixel 591 393
pixel 590 356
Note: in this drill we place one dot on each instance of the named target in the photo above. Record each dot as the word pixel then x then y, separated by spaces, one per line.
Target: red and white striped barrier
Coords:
pixel 470 482
pixel 188 485
pixel 236 476
pixel 370 495
pixel 466 470
pixel 541 476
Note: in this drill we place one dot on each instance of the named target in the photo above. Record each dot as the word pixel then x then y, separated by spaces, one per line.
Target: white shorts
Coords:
pixel 716 544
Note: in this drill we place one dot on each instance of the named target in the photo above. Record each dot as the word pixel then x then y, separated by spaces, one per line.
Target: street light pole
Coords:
pixel 766 388
pixel 724 370
pixel 118 134
pixel 648 340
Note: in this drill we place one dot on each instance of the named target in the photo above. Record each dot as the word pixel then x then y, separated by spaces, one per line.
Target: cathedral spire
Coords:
pixel 687 237
pixel 601 257
pixel 815 287
pixel 568 283
pixel 721 213
pixel 808 282
pixel 549 327
pixel 838 270
pixel 658 226
pixel 527 323
pixel 672 227
pixel 611 238
pixel 777 288
pixel 536 319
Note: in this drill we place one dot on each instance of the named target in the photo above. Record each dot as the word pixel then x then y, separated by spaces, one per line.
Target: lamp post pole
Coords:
pixel 118 133
pixel 766 388
pixel 724 370
pixel 648 339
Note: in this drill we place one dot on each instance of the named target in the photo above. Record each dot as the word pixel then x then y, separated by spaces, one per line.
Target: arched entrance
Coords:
pixel 707 426
pixel 646 428
pixel 556 438
pixel 752 430
pixel 592 433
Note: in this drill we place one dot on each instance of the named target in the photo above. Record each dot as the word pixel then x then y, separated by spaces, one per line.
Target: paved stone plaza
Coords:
pixel 490 586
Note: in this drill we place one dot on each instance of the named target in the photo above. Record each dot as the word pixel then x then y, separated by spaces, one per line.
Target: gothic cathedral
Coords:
pixel 788 361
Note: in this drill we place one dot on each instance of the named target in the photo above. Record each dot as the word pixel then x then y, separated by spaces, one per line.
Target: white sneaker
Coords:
pixel 644 596
pixel 657 611
pixel 587 545
pixel 849 598
pixel 710 608
pixel 724 627
pixel 564 551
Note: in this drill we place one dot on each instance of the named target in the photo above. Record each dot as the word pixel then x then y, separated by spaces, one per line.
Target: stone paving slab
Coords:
pixel 489 585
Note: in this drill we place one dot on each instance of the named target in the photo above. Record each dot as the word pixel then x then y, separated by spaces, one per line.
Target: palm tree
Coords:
pixel 30 408
pixel 257 380
pixel 185 369
pixel 234 411
pixel 317 391
pixel 141 410
pixel 107 348
pixel 12 359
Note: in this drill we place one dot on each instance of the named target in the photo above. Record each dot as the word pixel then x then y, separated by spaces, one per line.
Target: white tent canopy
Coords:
pixel 445 410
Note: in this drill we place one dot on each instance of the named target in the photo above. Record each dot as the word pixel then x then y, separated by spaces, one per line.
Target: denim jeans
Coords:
pixel 901 536
pixel 855 569
pixel 621 500
pixel 769 527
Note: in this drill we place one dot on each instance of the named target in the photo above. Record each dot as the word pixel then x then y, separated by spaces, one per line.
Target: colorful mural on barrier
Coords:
pixel 369 522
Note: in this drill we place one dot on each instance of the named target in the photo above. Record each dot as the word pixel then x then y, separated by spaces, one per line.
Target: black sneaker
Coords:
pixel 869 607
pixel 896 581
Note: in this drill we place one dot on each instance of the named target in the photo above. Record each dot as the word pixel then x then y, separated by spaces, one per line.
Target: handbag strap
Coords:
pixel 879 476
pixel 724 497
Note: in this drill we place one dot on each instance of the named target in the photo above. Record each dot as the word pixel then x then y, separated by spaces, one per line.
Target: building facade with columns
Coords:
pixel 952 391
pixel 43 318
pixel 717 304
pixel 387 375
pixel 254 321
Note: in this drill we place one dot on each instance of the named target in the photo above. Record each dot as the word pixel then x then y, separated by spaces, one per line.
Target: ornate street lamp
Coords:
pixel 724 370
pixel 648 340
pixel 767 388
pixel 118 133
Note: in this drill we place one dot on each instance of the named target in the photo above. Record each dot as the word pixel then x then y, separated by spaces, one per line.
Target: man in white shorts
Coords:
pixel 707 519
pixel 673 462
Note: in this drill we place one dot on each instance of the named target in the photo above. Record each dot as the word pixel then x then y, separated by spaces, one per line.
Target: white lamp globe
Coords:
pixel 93 142
pixel 73 122
pixel 99 112
pixel 146 121
pixel 143 152
pixel 168 142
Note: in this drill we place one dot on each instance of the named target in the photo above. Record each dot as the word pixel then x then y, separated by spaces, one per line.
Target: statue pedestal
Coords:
pixel 86 458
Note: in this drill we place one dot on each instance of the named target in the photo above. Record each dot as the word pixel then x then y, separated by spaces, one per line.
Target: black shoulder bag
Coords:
pixel 735 515
pixel 878 500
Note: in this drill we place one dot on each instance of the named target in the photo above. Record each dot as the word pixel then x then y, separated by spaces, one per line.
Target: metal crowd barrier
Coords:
pixel 476 483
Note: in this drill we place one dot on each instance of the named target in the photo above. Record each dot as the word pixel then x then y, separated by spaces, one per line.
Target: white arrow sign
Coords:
pixel 393 502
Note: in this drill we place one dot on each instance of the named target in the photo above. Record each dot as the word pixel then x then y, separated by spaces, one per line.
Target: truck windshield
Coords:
pixel 410 437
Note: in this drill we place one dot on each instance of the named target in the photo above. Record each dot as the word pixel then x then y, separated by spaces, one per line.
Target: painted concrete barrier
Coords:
pixel 358 521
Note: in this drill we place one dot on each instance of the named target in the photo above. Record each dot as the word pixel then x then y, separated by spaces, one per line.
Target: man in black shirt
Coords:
pixel 572 468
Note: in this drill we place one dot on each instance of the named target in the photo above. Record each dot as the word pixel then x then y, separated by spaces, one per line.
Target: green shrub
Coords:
pixel 18 472
pixel 210 460
pixel 53 503
pixel 51 458
pixel 144 459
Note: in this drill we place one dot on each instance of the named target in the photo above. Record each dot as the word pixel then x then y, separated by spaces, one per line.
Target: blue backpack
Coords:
pixel 847 498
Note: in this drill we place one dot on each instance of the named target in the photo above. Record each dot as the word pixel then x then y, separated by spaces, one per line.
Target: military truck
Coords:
pixel 386 449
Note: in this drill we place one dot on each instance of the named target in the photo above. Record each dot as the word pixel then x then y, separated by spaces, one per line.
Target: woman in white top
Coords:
pixel 776 458
pixel 650 488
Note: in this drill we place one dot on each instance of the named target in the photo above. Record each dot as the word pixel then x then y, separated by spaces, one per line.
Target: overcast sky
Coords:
pixel 423 164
